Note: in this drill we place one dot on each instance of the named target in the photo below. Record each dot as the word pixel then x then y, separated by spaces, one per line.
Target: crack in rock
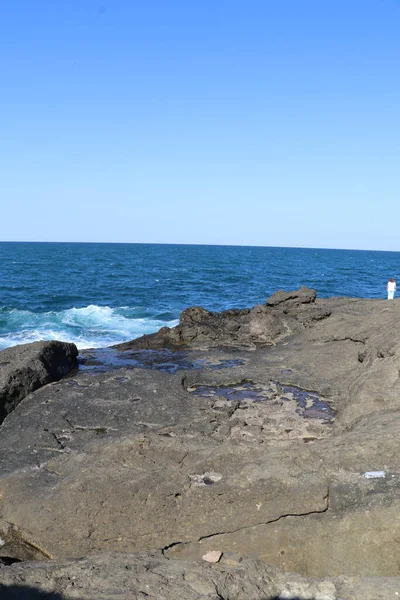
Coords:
pixel 307 514
pixel 165 549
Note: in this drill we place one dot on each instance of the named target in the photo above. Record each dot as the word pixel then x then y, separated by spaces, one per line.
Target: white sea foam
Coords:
pixel 91 326
pixel 89 315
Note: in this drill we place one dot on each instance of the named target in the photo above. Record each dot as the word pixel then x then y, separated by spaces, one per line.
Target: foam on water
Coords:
pixel 97 295
pixel 88 327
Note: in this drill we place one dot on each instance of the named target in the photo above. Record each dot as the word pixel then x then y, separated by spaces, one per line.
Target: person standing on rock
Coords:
pixel 391 288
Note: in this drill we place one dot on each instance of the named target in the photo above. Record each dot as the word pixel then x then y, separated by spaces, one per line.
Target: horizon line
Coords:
pixel 196 244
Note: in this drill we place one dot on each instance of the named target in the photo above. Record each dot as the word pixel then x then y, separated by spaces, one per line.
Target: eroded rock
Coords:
pixel 263 325
pixel 140 576
pixel 136 460
pixel 25 368
pixel 302 296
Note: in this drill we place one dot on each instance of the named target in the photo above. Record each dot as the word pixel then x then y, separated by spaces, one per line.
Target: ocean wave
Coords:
pixel 88 327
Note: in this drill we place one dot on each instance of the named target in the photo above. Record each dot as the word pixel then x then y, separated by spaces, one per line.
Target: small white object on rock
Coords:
pixel 374 474
pixel 213 556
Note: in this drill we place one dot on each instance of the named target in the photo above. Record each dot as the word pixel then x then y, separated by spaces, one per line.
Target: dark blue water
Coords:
pixel 100 294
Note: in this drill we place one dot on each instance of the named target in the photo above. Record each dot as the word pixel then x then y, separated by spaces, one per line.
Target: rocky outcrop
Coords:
pixel 283 314
pixel 140 576
pixel 25 368
pixel 292 299
pixel 285 451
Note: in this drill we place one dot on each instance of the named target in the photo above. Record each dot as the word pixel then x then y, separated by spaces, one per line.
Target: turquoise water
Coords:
pixel 99 294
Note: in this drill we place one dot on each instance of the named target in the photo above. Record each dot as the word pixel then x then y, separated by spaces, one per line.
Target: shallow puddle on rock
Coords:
pixel 310 404
pixel 109 359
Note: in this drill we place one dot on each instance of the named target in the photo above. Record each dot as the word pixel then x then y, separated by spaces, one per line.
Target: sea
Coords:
pixel 99 294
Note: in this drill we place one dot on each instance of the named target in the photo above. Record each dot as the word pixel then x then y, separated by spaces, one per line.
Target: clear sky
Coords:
pixel 245 122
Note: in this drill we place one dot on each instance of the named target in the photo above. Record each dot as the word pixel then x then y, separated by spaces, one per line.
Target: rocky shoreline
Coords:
pixel 268 435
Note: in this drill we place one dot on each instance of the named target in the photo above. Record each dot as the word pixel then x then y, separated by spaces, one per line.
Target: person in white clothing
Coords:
pixel 391 288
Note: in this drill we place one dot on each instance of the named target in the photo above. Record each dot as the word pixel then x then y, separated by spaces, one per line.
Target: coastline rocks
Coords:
pixel 133 461
pixel 283 314
pixel 302 296
pixel 25 368
pixel 117 576
pixel 264 449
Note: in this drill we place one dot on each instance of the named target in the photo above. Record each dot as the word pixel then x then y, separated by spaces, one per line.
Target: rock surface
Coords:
pixel 120 576
pixel 25 368
pixel 264 325
pixel 257 444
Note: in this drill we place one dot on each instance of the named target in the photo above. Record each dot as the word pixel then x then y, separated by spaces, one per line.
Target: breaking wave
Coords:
pixel 88 327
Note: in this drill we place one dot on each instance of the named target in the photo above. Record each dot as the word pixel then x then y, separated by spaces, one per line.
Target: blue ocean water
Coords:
pixel 100 294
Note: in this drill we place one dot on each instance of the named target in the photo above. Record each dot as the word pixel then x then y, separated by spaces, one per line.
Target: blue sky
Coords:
pixel 257 122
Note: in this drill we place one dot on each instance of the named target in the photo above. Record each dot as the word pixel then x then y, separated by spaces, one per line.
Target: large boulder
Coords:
pixel 25 368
